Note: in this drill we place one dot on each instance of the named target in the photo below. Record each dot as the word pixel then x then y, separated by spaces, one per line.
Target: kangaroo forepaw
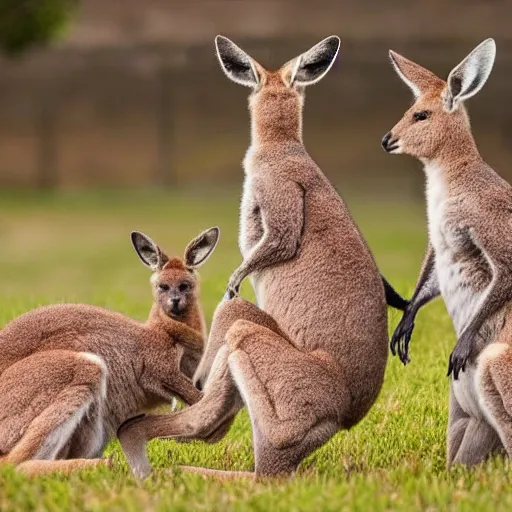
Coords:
pixel 401 339
pixel 232 291
pixel 460 355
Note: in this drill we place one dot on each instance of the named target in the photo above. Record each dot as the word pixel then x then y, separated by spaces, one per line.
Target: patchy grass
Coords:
pixel 76 248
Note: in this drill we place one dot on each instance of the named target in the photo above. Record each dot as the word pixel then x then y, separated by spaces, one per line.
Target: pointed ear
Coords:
pixel 149 253
pixel 237 65
pixel 467 78
pixel 199 249
pixel 416 77
pixel 310 67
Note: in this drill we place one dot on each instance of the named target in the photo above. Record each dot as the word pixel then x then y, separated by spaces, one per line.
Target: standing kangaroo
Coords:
pixel 469 256
pixel 311 361
pixel 70 374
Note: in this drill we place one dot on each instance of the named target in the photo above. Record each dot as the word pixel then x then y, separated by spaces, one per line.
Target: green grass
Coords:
pixel 76 248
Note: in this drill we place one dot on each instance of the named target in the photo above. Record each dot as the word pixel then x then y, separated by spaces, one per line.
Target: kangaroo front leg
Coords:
pixel 282 215
pixel 180 386
pixel 188 338
pixel 498 252
pixel 220 403
pixel 427 289
pixel 189 363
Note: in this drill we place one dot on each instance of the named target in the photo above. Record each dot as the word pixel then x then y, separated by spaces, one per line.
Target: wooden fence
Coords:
pixel 166 115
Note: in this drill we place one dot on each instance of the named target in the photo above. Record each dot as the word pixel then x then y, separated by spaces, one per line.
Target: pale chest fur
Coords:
pixel 455 268
pixel 251 222
pixel 457 264
pixel 250 218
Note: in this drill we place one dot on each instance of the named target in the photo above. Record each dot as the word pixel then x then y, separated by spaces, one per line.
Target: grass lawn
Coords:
pixel 76 247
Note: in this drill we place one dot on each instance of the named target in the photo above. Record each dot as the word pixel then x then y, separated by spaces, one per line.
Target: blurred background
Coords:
pixel 128 93
pixel 115 115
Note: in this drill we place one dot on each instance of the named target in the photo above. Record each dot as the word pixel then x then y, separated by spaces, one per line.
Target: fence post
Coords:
pixel 46 133
pixel 165 126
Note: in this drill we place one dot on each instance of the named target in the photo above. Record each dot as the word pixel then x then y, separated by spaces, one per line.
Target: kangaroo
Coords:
pixel 468 258
pixel 310 359
pixel 70 374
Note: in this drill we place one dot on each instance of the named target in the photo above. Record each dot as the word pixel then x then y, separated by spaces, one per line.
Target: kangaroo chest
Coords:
pixel 251 231
pixel 251 222
pixel 462 274
pixel 462 270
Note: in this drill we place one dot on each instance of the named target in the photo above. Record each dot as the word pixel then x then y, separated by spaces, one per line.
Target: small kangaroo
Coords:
pixel 70 374
pixel 311 359
pixel 468 260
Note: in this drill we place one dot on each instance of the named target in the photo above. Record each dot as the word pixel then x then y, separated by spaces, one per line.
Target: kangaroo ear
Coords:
pixel 237 65
pixel 310 67
pixel 468 77
pixel 416 77
pixel 149 253
pixel 199 249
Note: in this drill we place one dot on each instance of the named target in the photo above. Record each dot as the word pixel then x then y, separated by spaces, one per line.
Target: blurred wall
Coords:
pixel 134 95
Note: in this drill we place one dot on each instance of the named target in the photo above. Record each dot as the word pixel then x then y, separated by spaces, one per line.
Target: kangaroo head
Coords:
pixel 277 97
pixel 174 281
pixel 438 121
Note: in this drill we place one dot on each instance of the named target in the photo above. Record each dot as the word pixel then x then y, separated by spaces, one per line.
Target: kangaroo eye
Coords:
pixel 183 287
pixel 421 116
pixel 163 287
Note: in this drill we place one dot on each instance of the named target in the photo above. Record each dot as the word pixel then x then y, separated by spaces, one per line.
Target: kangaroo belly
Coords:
pixel 461 299
pixel 318 304
pixel 466 392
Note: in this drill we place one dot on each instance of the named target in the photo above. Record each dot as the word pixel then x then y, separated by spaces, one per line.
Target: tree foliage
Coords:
pixel 29 23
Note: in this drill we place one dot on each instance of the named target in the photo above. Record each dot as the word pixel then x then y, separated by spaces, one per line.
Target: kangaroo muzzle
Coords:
pixel 389 143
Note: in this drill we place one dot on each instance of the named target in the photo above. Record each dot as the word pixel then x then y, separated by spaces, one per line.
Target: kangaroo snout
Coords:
pixel 385 140
pixel 389 143
pixel 175 306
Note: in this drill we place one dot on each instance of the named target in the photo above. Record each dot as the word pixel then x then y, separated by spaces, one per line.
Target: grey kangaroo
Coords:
pixel 468 260
pixel 311 359
pixel 70 374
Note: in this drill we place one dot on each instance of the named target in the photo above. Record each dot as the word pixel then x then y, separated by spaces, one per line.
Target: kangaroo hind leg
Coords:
pixel 290 396
pixel 296 400
pixel 495 388
pixel 45 397
pixel 470 440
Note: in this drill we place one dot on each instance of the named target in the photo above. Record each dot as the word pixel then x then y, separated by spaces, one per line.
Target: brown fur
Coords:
pixel 311 359
pixel 469 255
pixel 70 374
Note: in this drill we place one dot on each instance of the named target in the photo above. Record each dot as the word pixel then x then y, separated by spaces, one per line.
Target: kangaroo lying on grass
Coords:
pixel 311 361
pixel 70 374
pixel 469 258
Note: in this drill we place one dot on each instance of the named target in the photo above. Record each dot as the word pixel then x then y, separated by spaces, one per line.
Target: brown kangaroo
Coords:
pixel 70 374
pixel 470 249
pixel 311 359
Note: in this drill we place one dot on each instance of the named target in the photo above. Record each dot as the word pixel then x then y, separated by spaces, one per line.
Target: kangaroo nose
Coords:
pixel 175 306
pixel 385 140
